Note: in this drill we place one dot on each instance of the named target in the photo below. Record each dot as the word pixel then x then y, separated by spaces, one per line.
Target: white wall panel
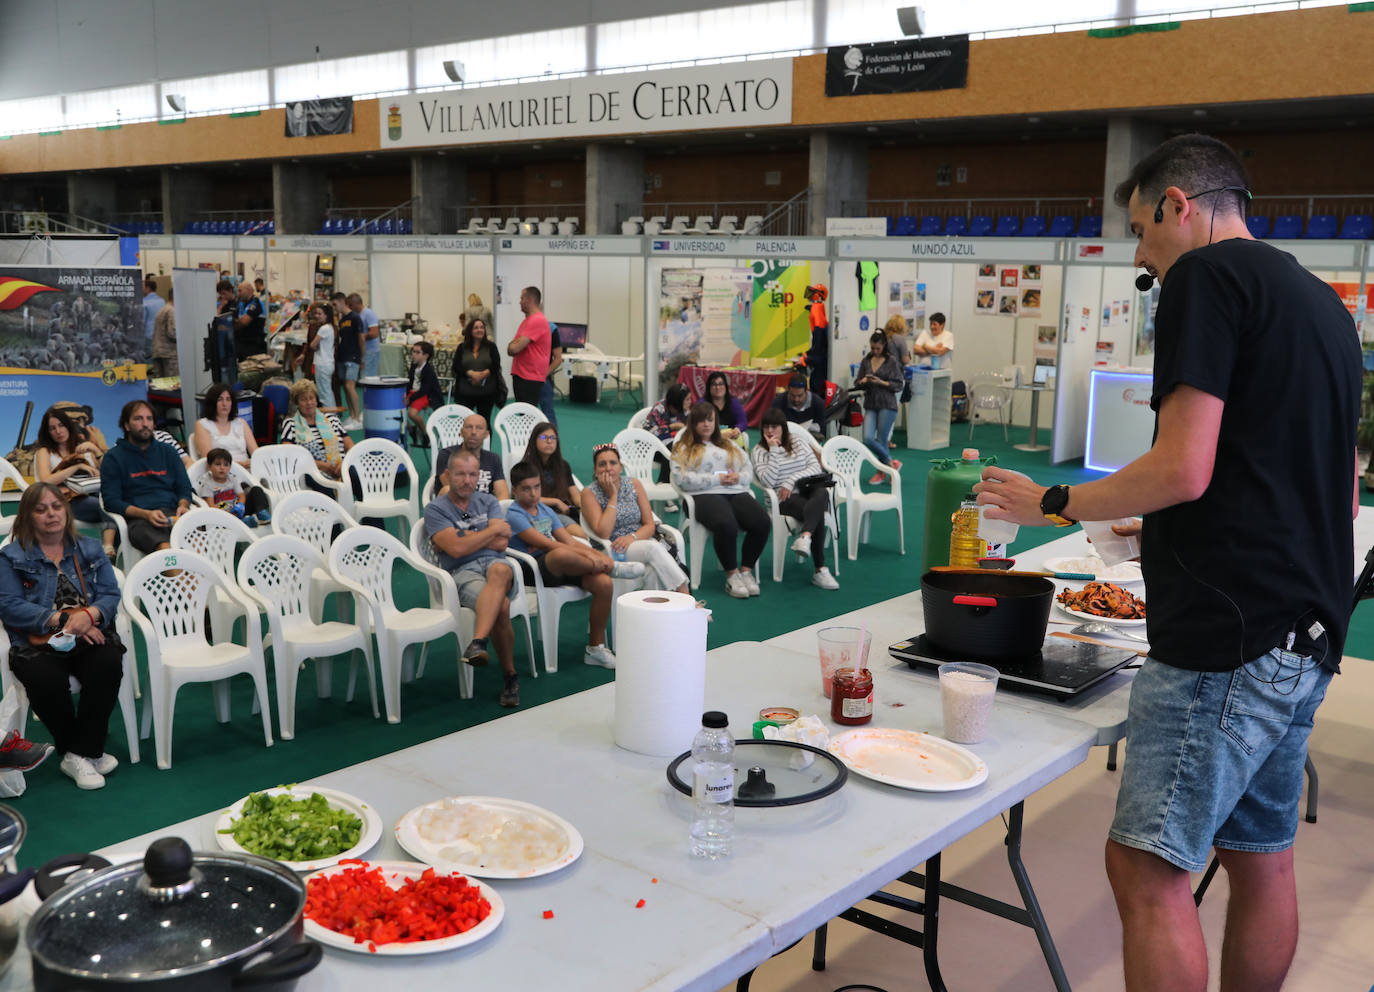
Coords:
pixel 443 297
pixel 479 276
pixel 565 288
pixel 396 278
pixel 611 306
pixel 515 272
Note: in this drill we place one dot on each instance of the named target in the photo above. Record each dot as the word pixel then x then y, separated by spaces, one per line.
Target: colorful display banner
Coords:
pixel 780 327
pixel 905 66
pixel 69 334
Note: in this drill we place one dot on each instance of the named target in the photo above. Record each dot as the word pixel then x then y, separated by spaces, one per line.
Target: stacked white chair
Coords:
pixel 277 572
pixel 637 449
pixel 548 602
pixel 520 607
pixel 848 459
pixel 364 559
pixel 282 469
pixel 166 595
pixel 514 423
pixel 378 463
pixel 314 517
pixel 784 526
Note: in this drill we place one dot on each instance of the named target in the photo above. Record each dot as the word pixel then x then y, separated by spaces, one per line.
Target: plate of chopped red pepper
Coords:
pixel 398 908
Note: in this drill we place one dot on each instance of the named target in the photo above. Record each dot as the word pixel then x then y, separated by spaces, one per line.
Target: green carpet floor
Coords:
pixel 214 764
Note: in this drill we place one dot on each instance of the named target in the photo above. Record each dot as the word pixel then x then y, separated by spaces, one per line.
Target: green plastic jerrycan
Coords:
pixel 950 480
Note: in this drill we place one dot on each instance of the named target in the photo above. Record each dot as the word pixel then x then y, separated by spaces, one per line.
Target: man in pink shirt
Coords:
pixel 529 350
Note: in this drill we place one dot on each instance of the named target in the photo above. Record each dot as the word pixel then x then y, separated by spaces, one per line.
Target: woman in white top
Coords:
pixel 321 351
pixel 616 509
pixel 66 451
pixel 936 343
pixel 716 473
pixel 781 461
pixel 220 427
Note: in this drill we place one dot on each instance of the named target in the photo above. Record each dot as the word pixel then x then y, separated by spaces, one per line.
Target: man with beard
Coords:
pixel 144 480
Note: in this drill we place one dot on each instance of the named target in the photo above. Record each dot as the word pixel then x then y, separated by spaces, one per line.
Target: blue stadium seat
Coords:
pixel 1007 226
pixel 980 226
pixel 1061 226
pixel 930 226
pixel 906 227
pixel 1090 226
pixel 1359 227
pixel 956 227
pixel 1287 226
pixel 1033 227
pixel 892 227
pixel 198 227
pixel 1321 226
pixel 407 227
pixel 1259 226
pixel 389 226
pixel 271 227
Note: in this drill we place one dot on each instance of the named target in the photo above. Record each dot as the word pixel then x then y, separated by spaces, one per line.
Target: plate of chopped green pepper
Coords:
pixel 306 828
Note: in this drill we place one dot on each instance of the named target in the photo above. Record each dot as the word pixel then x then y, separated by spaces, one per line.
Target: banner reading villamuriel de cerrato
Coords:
pixel 736 94
pixel 69 334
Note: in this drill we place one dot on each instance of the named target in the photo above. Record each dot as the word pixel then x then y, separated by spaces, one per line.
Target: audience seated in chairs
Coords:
pixel 58 597
pixel 666 418
pixel 164 437
pixel 716 474
pixel 469 532
pixel 424 392
pixel 144 481
pixel 790 468
pixel 319 432
pixel 221 426
pixel 616 509
pixel 563 560
pixel 729 411
pixel 798 405
pixel 65 451
pixel 560 492
pixel 490 478
pixel 226 486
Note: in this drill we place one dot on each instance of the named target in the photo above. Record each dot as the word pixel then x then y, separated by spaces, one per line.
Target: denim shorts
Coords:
pixel 372 362
pixel 471 579
pixel 348 371
pixel 1215 759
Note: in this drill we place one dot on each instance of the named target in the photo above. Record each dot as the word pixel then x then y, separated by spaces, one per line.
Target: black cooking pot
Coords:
pixel 176 921
pixel 988 616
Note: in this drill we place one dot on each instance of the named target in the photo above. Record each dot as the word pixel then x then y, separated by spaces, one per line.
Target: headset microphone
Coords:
pixel 1144 282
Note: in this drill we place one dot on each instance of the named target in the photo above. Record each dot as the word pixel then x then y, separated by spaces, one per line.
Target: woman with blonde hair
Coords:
pixel 320 433
pixel 716 474
pixel 897 345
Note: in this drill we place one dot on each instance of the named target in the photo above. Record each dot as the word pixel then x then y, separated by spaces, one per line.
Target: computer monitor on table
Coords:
pixel 571 336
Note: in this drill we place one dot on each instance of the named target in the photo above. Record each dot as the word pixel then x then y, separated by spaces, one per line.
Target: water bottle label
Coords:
pixel 717 786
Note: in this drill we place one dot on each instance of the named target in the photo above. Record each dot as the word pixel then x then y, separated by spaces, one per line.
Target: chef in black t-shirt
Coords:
pixel 250 336
pixel 1247 492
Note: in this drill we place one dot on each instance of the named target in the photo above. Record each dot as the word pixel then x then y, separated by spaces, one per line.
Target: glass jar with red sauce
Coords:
pixel 851 696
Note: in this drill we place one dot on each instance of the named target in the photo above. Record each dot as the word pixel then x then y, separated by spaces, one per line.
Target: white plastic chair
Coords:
pixel 277 572
pixel 637 448
pixel 548 602
pixel 364 559
pixel 548 227
pixel 569 225
pixel 520 608
pixel 281 469
pixel 729 224
pixel 445 429
pixel 678 226
pixel 784 526
pixel 378 463
pixel 639 418
pixel 8 473
pixel 847 459
pixel 475 226
pixel 314 517
pixel 166 595
pixel 752 223
pixel 655 224
pixel 129 556
pixel 514 423
pixel 988 394
pixel 632 226
pixel 702 225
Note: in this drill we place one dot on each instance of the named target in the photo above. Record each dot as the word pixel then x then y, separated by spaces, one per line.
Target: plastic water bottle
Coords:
pixel 713 788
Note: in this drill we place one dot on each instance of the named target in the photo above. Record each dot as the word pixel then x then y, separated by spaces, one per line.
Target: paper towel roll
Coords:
pixel 660 671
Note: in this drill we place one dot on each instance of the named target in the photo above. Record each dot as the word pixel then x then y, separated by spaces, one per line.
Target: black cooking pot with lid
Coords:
pixel 176 920
pixel 988 616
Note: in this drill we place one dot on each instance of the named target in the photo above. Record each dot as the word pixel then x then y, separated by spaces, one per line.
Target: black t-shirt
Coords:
pixel 251 339
pixel 488 467
pixel 350 347
pixel 1268 547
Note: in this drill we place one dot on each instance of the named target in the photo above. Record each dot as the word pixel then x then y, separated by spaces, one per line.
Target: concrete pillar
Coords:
pixel 838 173
pixel 186 193
pixel 1129 139
pixel 439 187
pixel 615 176
pixel 300 196
pixel 92 195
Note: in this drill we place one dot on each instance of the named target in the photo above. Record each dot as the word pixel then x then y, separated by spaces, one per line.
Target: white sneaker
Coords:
pixel 599 655
pixel 352 425
pixel 104 764
pixel 823 579
pixel 736 586
pixel 672 507
pixel 627 570
pixel 802 544
pixel 81 771
pixel 751 581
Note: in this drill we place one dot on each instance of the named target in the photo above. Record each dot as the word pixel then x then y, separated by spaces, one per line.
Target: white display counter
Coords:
pixel 1120 422
pixel 927 412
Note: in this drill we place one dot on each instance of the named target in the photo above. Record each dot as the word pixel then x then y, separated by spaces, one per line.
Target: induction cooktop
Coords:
pixel 1062 668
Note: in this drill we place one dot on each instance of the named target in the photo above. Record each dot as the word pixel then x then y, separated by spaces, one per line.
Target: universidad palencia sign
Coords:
pixel 735 94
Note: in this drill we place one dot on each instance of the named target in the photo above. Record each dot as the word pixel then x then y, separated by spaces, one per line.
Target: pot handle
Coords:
pixel 284 965
pixel 51 876
pixel 975 601
pixel 12 885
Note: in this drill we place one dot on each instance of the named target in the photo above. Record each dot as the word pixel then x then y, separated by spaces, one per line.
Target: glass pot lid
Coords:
pixel 174 913
pixel 12 832
pixel 772 773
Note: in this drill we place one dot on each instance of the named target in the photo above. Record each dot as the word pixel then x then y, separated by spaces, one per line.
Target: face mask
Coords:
pixel 62 641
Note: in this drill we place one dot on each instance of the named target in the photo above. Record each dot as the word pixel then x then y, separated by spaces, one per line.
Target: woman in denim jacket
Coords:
pixel 58 586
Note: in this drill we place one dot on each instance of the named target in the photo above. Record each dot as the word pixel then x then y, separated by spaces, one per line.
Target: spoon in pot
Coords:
pixel 1098 627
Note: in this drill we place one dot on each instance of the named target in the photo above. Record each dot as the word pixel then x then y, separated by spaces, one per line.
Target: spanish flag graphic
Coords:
pixel 15 292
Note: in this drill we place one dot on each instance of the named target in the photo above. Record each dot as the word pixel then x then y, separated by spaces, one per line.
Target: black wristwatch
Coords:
pixel 1052 506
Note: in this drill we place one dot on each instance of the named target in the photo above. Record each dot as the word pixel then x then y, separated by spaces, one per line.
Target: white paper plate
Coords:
pixel 1083 615
pixel 371 833
pixel 395 873
pixel 408 836
pixel 1125 574
pixel 909 759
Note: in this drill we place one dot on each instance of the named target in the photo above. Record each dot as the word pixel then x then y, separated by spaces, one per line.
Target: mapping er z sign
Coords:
pixel 897 66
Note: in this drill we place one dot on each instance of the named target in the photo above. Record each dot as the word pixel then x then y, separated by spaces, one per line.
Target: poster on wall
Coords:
pixel 69 334
pixel 1145 322
pixel 906 66
pixel 1009 294
pixel 726 311
pixel 1031 289
pixel 679 322
pixel 1046 344
pixel 985 289
pixel 307 118
pixel 780 327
